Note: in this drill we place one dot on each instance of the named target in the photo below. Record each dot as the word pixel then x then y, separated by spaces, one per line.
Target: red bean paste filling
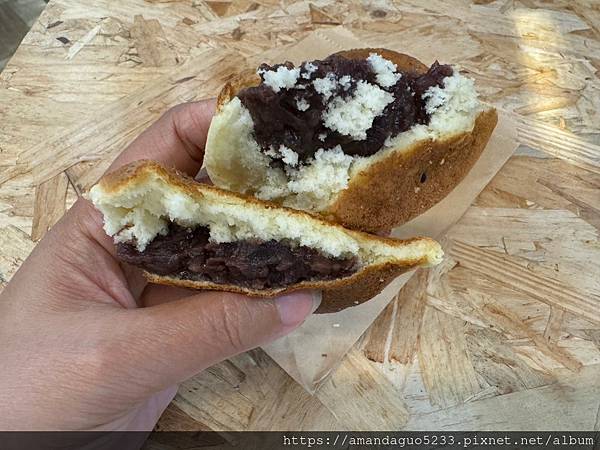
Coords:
pixel 186 253
pixel 277 120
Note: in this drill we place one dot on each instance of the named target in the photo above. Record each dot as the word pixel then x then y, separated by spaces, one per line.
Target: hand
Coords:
pixel 87 344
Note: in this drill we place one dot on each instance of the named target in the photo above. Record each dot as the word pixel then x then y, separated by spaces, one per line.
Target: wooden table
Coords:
pixel 504 335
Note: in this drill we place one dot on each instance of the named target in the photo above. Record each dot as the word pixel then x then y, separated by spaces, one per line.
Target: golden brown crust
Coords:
pixel 337 294
pixel 404 62
pixel 405 184
pixel 389 192
pixel 372 281
pixel 244 79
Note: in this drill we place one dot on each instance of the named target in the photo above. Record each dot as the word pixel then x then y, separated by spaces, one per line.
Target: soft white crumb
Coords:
pixel 385 70
pixel 326 86
pixel 346 82
pixel 271 152
pixel 282 78
pixel 458 95
pixel 336 325
pixel 322 136
pixel 302 104
pixel 354 116
pixel 290 157
pixel 315 181
pixel 435 97
pixel 309 68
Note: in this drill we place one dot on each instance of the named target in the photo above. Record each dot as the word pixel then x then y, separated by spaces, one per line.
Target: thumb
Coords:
pixel 170 343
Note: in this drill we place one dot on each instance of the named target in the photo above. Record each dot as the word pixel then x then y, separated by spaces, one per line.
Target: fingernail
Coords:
pixel 295 307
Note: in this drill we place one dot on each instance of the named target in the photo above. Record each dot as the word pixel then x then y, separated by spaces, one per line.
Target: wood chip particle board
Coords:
pixel 504 335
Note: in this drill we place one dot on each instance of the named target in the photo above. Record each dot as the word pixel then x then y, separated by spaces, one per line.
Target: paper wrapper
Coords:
pixel 315 349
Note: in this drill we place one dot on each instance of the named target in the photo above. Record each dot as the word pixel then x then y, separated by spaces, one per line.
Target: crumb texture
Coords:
pixel 354 116
pixel 147 205
pixel 284 173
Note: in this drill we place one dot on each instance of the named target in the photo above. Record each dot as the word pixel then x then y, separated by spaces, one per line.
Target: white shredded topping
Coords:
pixel 435 97
pixel 458 90
pixel 325 86
pixel 271 152
pixel 287 155
pixel 328 168
pixel 384 69
pixel 302 104
pixel 346 82
pixel 309 69
pixel 354 116
pixel 290 157
pixel 282 78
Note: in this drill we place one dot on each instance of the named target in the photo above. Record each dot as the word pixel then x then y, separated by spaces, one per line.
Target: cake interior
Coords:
pixel 299 136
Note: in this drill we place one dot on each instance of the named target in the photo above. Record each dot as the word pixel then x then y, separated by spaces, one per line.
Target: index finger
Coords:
pixel 176 140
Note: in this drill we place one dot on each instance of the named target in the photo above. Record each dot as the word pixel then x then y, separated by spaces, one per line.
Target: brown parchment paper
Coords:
pixel 315 349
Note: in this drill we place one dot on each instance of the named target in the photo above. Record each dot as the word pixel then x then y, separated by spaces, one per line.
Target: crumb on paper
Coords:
pixel 336 325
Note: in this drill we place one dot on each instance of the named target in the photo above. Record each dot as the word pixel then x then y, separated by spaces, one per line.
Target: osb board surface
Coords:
pixel 504 335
